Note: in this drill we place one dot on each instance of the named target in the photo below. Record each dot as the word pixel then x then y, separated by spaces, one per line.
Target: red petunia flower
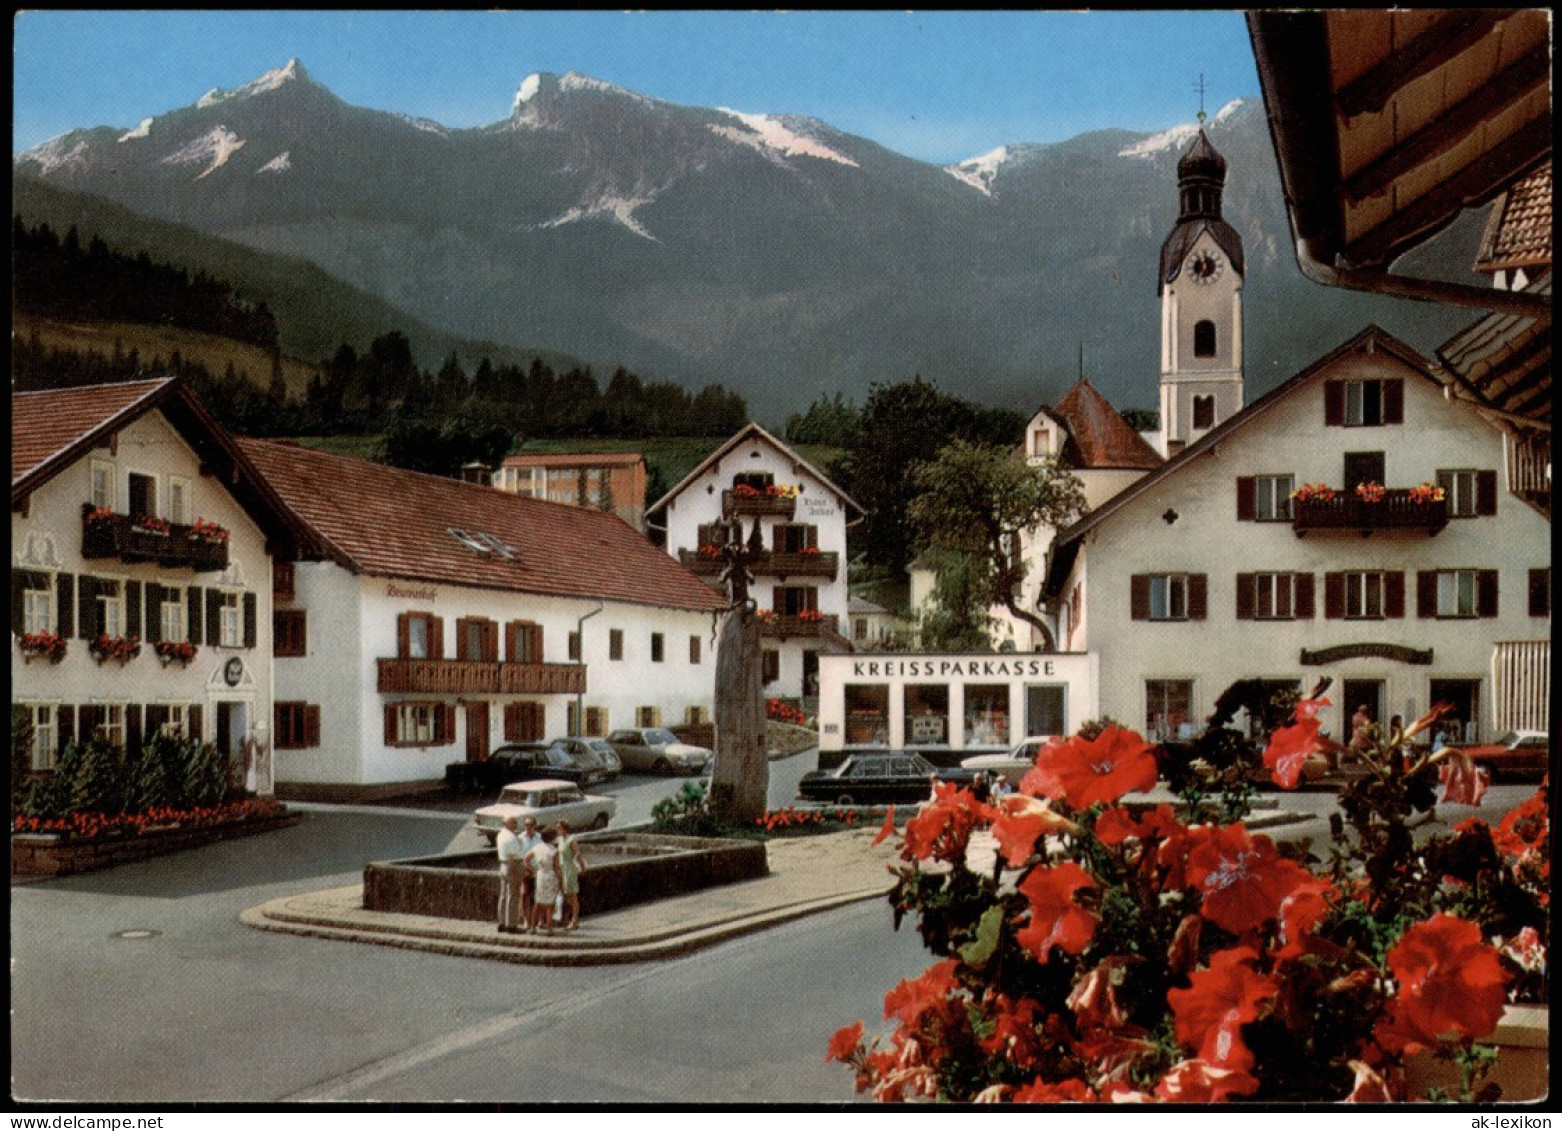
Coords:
pixel 1094 999
pixel 1015 1036
pixel 1451 983
pixel 1055 919
pixel 913 997
pixel 1117 825
pixel 843 1046
pixel 887 830
pixel 945 824
pixel 1198 1082
pixel 1021 822
pixel 1463 782
pixel 1210 1013
pixel 1300 913
pixel 1084 771
pixel 1288 750
pixel 1070 1091
pixel 1242 878
pixel 1370 1087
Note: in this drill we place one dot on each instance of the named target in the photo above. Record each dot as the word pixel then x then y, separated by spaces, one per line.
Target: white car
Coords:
pixel 549 801
pixel 1013 764
pixel 658 749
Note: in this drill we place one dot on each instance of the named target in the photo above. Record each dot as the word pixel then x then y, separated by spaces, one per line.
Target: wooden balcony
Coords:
pixel 791 563
pixel 1345 513
pixel 120 536
pixel 478 677
pixel 701 564
pixel 782 626
pixel 737 503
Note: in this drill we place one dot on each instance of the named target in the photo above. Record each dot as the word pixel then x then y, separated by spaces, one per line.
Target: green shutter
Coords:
pixel 65 597
pixel 154 613
pixel 249 620
pixel 192 616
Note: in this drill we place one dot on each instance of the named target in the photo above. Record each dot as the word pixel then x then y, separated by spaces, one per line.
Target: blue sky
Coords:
pixel 939 86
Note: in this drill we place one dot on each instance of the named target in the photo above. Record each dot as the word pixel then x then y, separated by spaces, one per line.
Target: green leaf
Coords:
pixel 988 930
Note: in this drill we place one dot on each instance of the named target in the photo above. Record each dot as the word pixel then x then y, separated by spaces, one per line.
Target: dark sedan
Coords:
pixel 522 762
pixel 877 778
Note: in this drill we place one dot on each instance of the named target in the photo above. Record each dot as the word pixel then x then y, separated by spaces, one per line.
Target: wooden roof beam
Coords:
pixel 1531 73
pixel 1439 45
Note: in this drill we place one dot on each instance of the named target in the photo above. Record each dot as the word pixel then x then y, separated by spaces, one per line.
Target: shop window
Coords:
pixel 987 715
pixel 927 714
pixel 867 714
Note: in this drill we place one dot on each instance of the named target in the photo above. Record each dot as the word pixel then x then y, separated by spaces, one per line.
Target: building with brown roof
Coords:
pixel 436 620
pixel 142 541
pixel 607 481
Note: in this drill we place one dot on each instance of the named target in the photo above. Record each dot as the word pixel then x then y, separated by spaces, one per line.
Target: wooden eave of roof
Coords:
pixel 1506 360
pixel 748 432
pixel 1065 545
pixel 1387 124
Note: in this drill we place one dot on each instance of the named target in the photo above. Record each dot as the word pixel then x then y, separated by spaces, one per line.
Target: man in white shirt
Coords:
pixel 512 893
pixel 529 839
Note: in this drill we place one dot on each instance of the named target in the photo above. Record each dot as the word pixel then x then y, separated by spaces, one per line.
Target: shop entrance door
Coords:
pixel 1044 709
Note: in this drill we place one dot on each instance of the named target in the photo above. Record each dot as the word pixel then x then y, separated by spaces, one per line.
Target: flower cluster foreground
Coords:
pixel 1097 951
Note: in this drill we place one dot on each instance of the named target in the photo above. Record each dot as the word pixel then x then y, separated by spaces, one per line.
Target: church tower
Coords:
pixel 1200 285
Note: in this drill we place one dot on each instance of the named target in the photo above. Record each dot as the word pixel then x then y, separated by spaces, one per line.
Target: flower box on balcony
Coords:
pixel 1367 510
pixel 42 646
pixel 175 651
pixel 120 648
pixel 751 502
pixel 207 556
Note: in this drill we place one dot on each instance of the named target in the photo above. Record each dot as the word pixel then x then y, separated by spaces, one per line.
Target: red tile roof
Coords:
pixel 388 522
pixel 1518 231
pixel 50 422
pixel 576 459
pixel 1099 435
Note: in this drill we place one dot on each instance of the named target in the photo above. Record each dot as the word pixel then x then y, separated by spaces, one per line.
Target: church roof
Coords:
pixel 1201 165
pixel 1099 437
pixel 1174 252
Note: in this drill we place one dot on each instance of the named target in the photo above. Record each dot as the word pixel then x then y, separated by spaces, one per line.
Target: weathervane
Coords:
pixel 1199 87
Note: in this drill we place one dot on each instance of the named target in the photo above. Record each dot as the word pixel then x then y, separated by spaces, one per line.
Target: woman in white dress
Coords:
pixel 544 859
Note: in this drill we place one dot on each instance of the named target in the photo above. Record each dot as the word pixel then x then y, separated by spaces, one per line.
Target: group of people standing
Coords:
pixel 538 873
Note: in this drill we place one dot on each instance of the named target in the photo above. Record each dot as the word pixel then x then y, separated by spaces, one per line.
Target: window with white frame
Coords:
pixel 415 723
pixel 1168 705
pixel 1459 490
pixel 1364 596
pixel 1169 597
pixel 1273 596
pixel 1272 497
pixel 111 608
pixel 111 727
pixel 176 719
pixel 37 601
pixel 230 621
pixel 178 500
pixel 45 741
pixel 1456 593
pixel 102 485
pixel 171 617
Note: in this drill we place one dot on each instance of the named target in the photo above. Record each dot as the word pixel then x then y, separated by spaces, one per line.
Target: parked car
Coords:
pixel 523 761
pixel 1013 764
pixel 1514 754
pixel 549 800
pixel 875 778
pixel 657 749
pixel 591 752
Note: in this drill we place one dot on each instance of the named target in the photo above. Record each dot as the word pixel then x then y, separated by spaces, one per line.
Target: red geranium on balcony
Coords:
pixel 175 651
pixel 1425 493
pixel 1370 492
pixel 43 646
pixel 149 524
pixel 1308 492
pixel 121 648
pixel 208 531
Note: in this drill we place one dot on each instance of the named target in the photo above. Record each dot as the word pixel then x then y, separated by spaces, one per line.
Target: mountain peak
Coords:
pixel 539 85
pixel 293 71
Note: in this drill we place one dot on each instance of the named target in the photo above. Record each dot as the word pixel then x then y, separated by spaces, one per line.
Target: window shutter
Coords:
pixel 213 616
pixel 1394 595
pixel 156 716
pixel 154 614
pixel 1247 498
pixel 133 608
pixel 65 725
pixel 512 722
pixel 445 730
pixel 192 615
pixel 192 716
pixel 249 620
pixel 1486 593
pixel 512 644
pixel 461 639
pixel 1333 596
pixel 436 638
pixel 1394 401
pixel 390 724
pixel 65 599
pixel 811 537
pixel 1540 592
pixel 90 716
pixel 403 636
pixel 1485 492
pixel 490 640
pixel 311 724
pixel 1245 601
pixel 1426 593
pixel 132 728
pixel 87 607
pixel 1334 403
pixel 1139 596
pixel 1198 596
pixel 18 601
pixel 1302 608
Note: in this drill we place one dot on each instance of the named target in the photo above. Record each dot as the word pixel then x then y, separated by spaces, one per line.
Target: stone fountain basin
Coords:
pixel 621 869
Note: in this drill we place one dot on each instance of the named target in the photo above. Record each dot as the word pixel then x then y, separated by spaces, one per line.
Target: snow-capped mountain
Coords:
pixel 767 251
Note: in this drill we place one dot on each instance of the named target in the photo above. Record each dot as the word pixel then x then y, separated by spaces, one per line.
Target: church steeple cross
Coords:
pixel 1200 89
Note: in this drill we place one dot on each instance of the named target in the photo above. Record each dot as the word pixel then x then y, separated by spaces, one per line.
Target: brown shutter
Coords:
pixel 1198 596
pixel 87 607
pixel 132 608
pixel 1139 596
pixel 512 722
pixel 1247 498
pixel 214 601
pixel 1394 401
pixel 490 640
pixel 18 601
pixel 1303 608
pixel 1426 593
pixel 445 721
pixel 436 638
pixel 132 728
pixel 1245 596
pixel 1485 492
pixel 156 716
pixel 311 724
pixel 390 724
pixel 1334 402
pixel 512 631
pixel 403 636
pixel 192 717
pixel 1394 594
pixel 1486 593
pixel 91 717
pixel 250 606
pixel 65 601
pixel 1333 596
pixel 1540 592
pixel 65 725
pixel 154 614
pixel 192 616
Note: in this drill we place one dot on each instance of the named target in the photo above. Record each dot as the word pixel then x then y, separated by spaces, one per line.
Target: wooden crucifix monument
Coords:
pixel 740 776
